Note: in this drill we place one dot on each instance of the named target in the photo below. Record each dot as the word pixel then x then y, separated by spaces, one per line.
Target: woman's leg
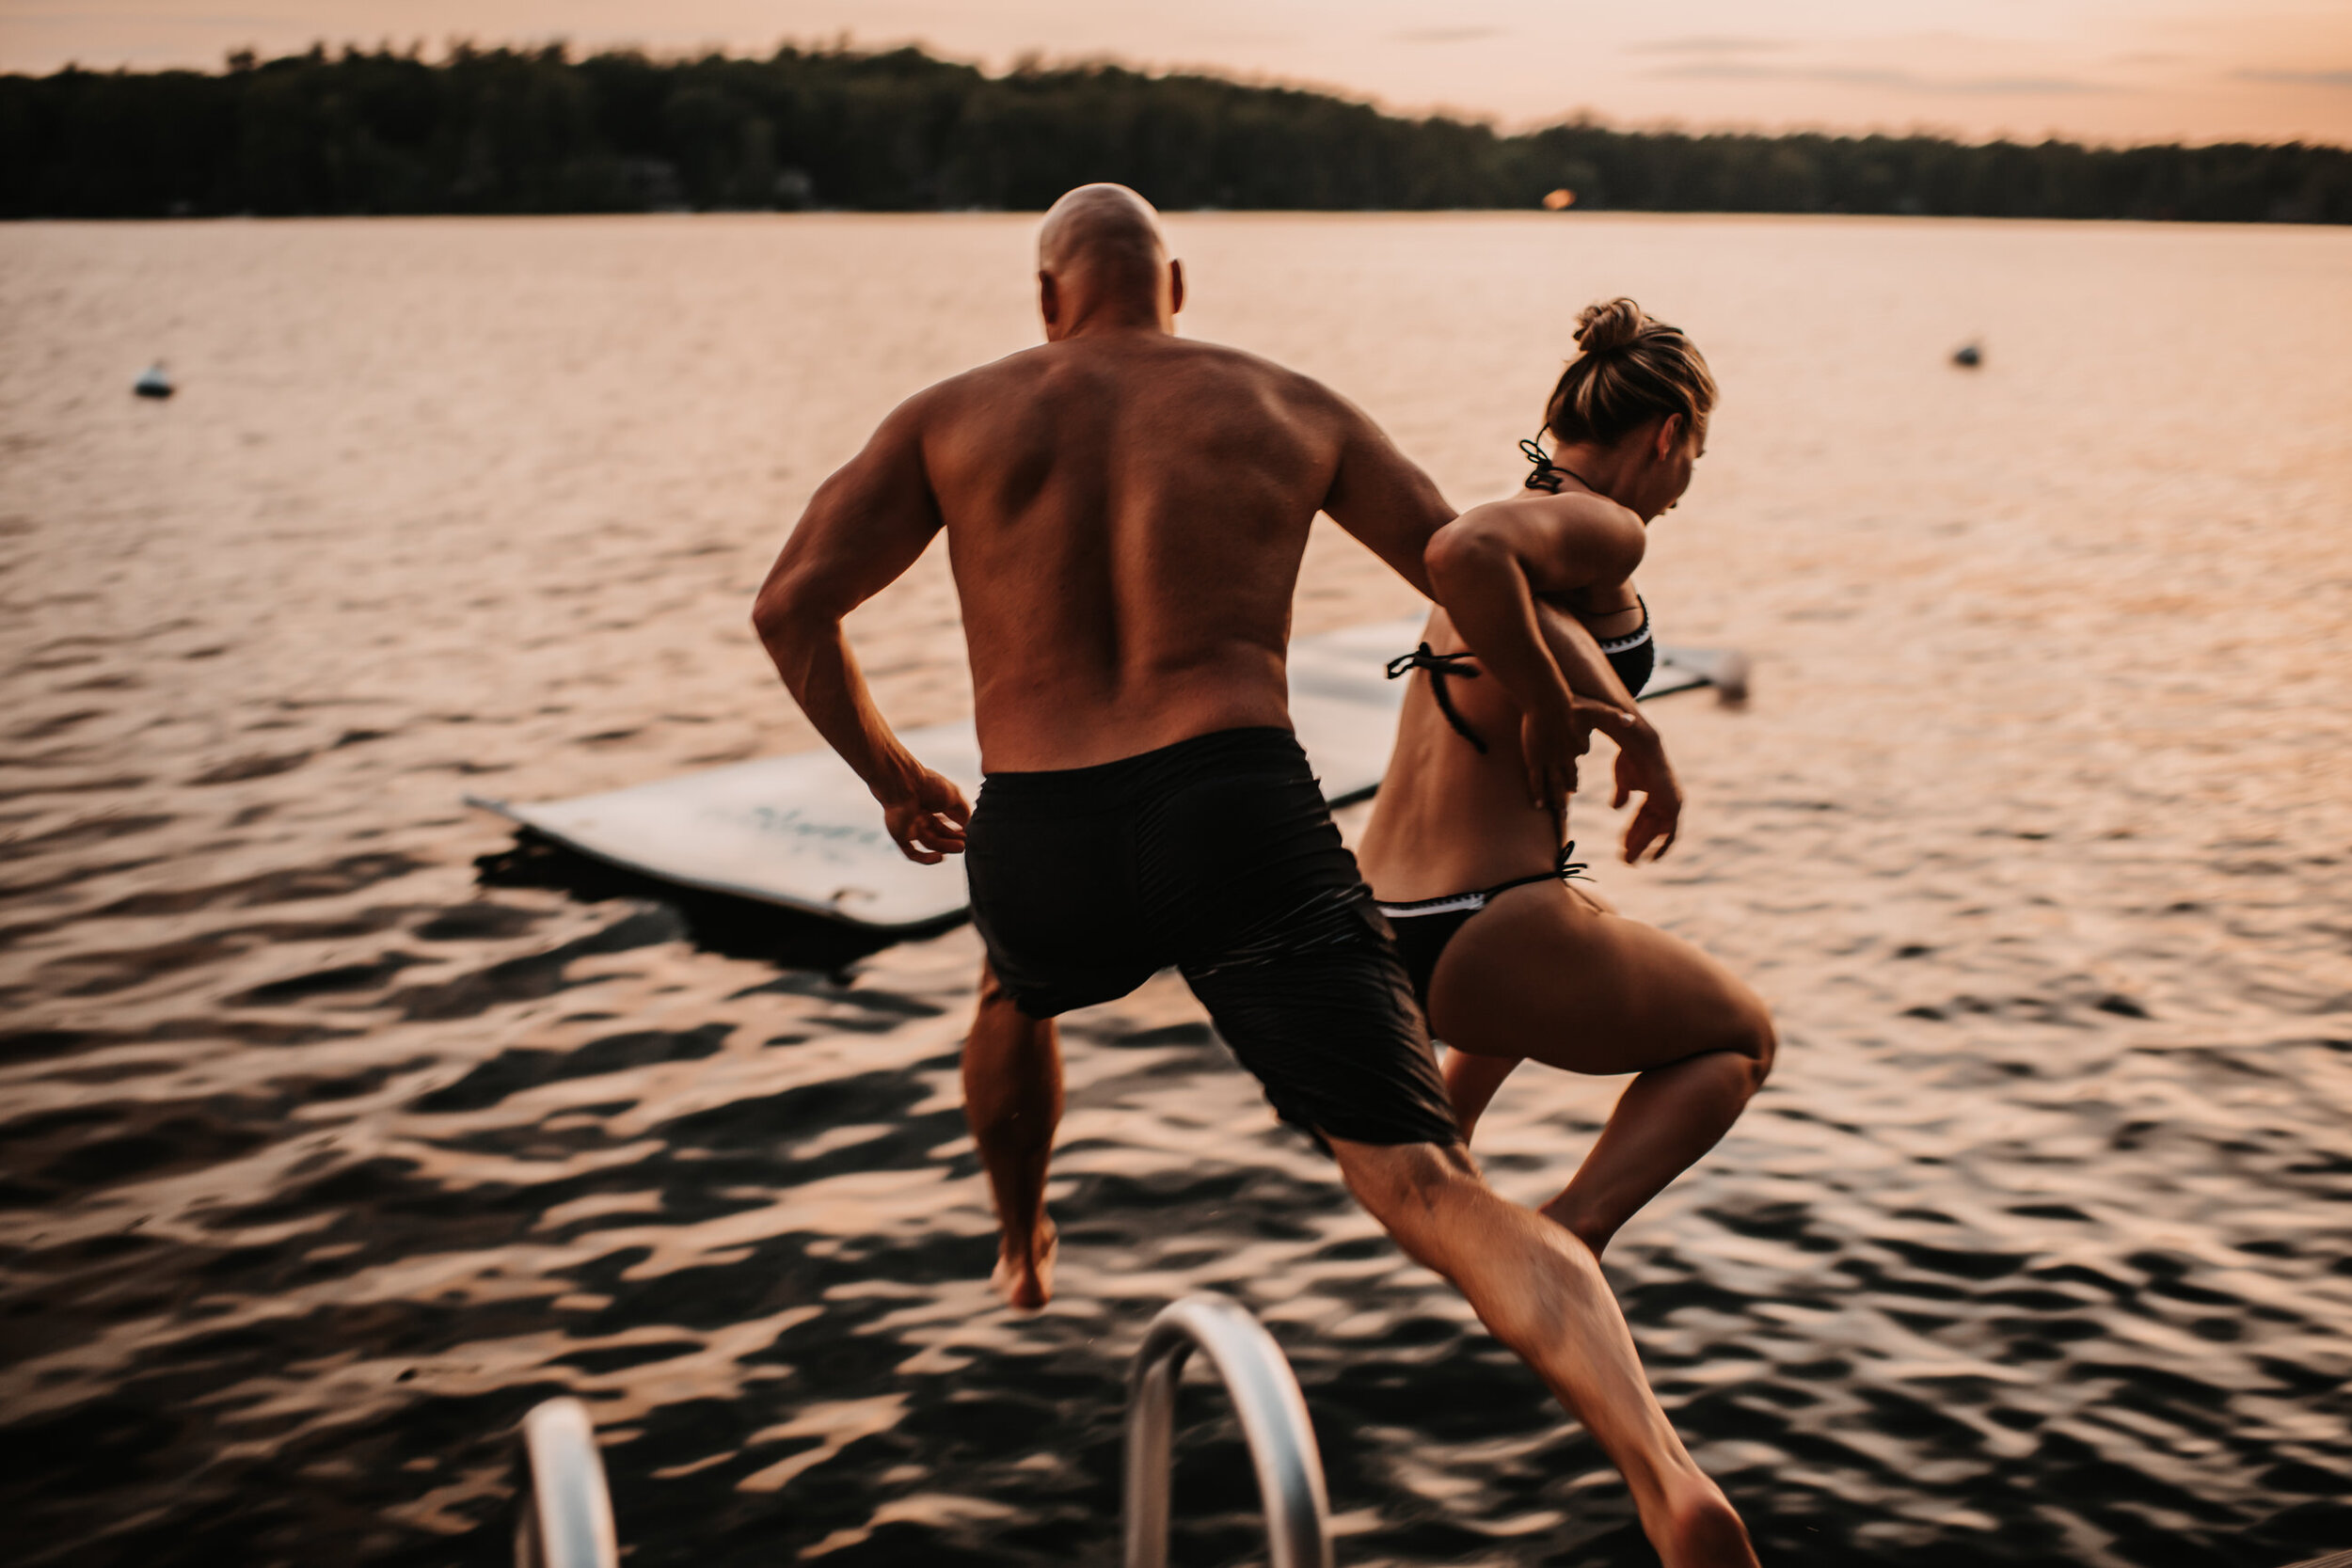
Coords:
pixel 1546 973
pixel 1470 1082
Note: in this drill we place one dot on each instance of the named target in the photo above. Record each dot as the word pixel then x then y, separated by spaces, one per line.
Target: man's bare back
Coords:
pixel 1125 512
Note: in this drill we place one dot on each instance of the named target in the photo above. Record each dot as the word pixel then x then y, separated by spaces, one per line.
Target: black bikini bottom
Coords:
pixel 1424 926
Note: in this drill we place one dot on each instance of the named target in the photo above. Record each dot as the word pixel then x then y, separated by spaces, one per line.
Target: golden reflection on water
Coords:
pixel 324 1160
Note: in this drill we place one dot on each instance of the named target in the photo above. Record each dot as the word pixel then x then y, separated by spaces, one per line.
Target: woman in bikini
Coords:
pixel 1510 959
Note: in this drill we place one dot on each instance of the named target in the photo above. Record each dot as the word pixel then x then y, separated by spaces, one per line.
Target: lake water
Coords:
pixel 335 1130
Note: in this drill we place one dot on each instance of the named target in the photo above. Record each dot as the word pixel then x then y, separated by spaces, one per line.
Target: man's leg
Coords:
pixel 1012 1103
pixel 1540 1291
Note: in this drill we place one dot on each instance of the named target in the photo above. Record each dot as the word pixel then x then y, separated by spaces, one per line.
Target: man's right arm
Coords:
pixel 862 529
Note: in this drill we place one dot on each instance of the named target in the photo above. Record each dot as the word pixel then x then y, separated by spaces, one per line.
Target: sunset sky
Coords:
pixel 2102 69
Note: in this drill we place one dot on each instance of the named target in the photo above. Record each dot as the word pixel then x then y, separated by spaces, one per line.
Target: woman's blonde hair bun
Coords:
pixel 1634 369
pixel 1612 324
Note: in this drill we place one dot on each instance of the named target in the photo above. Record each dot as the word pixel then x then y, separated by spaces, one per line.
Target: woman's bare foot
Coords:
pixel 1571 1218
pixel 1025 1274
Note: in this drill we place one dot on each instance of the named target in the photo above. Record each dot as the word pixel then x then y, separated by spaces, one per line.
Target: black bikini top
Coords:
pixel 1633 656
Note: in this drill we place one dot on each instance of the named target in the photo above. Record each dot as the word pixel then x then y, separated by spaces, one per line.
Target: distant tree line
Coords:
pixel 535 131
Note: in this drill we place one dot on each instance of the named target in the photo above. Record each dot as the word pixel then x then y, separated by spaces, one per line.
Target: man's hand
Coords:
pixel 926 822
pixel 1642 769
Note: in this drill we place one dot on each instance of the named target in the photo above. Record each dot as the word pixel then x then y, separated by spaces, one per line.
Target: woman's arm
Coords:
pixel 1489 567
pixel 1642 766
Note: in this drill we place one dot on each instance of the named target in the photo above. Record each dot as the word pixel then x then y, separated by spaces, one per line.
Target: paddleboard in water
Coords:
pixel 803 832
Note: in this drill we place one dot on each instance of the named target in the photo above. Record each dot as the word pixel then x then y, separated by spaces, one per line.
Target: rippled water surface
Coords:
pixel 336 1129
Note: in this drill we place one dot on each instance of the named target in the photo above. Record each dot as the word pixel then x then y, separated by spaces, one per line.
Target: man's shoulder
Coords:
pixel 946 404
pixel 991 379
pixel 1273 374
pixel 1081 370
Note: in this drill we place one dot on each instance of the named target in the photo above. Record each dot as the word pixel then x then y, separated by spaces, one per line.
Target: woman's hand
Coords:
pixel 1642 769
pixel 1551 740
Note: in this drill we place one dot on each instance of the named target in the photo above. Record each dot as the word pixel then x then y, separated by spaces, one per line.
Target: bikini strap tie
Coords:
pixel 1426 657
pixel 1547 474
pixel 1562 869
pixel 1439 666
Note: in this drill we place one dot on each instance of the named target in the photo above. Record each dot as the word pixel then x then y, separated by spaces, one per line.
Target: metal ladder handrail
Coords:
pixel 564 1512
pixel 1273 1419
pixel 564 1518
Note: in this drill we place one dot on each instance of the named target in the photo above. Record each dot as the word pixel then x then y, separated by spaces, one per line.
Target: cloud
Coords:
pixel 1447 35
pixel 2300 78
pixel 1871 76
pixel 1710 43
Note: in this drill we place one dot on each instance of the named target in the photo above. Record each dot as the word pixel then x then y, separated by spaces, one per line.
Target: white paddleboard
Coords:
pixel 802 830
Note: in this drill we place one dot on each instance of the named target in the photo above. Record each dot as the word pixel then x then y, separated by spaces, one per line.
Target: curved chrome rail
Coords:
pixel 1273 1418
pixel 564 1518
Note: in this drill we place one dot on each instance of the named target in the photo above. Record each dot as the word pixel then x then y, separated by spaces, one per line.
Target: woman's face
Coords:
pixel 1669 451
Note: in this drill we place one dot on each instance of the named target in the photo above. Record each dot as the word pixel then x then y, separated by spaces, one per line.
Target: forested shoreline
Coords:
pixel 537 131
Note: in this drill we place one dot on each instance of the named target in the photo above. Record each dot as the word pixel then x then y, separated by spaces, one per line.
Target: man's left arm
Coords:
pixel 862 529
pixel 1382 497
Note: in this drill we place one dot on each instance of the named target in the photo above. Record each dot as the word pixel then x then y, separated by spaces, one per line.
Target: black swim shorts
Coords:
pixel 1216 855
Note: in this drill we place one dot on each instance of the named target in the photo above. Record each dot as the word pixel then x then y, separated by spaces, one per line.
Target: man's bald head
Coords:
pixel 1106 225
pixel 1101 257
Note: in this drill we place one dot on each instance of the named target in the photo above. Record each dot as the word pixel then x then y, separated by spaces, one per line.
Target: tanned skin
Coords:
pixel 1550 970
pixel 1125 513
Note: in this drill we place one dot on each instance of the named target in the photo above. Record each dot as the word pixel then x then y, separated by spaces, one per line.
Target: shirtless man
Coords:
pixel 1125 515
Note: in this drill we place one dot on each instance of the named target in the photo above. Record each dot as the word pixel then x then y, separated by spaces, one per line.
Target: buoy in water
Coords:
pixel 153 382
pixel 1968 357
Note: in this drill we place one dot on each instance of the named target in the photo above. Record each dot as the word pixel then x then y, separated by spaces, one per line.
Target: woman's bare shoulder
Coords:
pixel 1579 539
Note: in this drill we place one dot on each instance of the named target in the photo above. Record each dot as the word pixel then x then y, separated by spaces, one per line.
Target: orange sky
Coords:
pixel 2102 69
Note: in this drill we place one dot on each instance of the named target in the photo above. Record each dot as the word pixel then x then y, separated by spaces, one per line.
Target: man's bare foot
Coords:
pixel 1703 1531
pixel 1025 1276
